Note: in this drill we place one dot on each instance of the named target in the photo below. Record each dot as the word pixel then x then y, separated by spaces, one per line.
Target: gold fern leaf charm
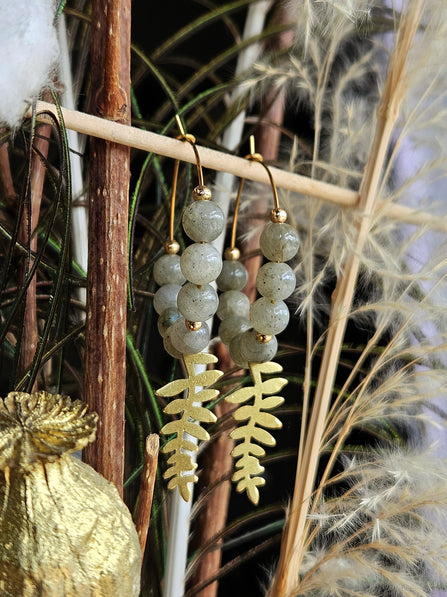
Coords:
pixel 182 467
pixel 248 476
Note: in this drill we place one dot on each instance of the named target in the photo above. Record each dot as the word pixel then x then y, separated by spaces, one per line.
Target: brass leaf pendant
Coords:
pixel 64 530
pixel 248 451
pixel 182 466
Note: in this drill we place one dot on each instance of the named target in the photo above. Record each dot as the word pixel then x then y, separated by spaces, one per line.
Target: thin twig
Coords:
pixel 148 475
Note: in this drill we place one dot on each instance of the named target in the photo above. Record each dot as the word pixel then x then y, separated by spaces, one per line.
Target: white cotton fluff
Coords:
pixel 28 54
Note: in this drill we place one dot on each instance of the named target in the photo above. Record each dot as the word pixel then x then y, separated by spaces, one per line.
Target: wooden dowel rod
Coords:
pixel 216 160
pixel 210 158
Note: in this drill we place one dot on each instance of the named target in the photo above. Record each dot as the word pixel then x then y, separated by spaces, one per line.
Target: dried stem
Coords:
pixel 294 538
pixel 28 225
pixel 105 339
pixel 146 493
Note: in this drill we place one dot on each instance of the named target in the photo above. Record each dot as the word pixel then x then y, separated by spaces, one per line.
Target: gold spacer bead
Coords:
pixel 172 247
pixel 193 326
pixel 278 215
pixel 232 254
pixel 201 193
pixel 263 338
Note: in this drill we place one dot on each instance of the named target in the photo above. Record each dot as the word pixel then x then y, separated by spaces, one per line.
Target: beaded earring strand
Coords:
pixel 183 314
pixel 252 342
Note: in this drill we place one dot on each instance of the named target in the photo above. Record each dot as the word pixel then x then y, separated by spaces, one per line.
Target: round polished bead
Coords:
pixel 276 281
pixel 278 215
pixel 233 276
pixel 194 326
pixel 232 326
pixel 167 270
pixel 279 242
pixel 201 263
pixel 235 352
pixel 232 303
pixel 172 247
pixel 201 193
pixel 257 352
pixel 166 297
pixel 203 221
pixel 232 254
pixel 187 341
pixel 269 317
pixel 169 347
pixel 166 319
pixel 197 303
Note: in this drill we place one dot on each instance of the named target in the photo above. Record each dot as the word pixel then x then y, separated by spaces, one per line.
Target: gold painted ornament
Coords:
pixel 182 466
pixel 253 432
pixel 64 530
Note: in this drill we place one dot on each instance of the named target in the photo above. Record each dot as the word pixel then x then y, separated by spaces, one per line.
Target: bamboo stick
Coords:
pixel 222 162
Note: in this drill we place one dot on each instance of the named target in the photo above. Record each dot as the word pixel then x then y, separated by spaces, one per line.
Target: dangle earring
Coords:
pixel 250 333
pixel 183 313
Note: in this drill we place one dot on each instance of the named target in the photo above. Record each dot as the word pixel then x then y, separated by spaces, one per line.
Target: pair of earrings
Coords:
pixel 186 300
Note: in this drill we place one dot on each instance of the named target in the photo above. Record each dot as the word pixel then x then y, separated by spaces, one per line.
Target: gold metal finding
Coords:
pixel 194 391
pixel 192 141
pixel 253 429
pixel 194 326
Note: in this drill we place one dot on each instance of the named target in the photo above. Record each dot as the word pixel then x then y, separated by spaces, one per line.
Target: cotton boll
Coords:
pixel 28 50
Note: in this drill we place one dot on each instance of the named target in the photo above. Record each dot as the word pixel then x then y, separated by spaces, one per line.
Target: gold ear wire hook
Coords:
pixel 257 157
pixel 277 214
pixel 192 141
pixel 172 244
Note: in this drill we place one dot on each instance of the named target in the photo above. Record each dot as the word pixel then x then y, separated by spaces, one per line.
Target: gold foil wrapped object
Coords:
pixel 64 530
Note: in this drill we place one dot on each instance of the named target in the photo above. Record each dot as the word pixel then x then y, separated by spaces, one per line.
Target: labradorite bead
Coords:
pixel 279 242
pixel 276 281
pixel 233 276
pixel 269 317
pixel 166 319
pixel 169 347
pixel 203 221
pixel 187 341
pixel 257 352
pixel 201 263
pixel 197 303
pixel 167 270
pixel 232 326
pixel 166 297
pixel 235 352
pixel 233 302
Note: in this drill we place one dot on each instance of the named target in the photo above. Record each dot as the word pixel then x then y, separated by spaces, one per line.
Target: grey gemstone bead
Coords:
pixel 276 281
pixel 279 242
pixel 233 276
pixel 197 303
pixel 167 270
pixel 201 263
pixel 268 317
pixel 257 352
pixel 203 221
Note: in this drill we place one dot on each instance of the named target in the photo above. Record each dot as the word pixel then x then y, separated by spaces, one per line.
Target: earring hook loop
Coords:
pixel 184 136
pixel 254 157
